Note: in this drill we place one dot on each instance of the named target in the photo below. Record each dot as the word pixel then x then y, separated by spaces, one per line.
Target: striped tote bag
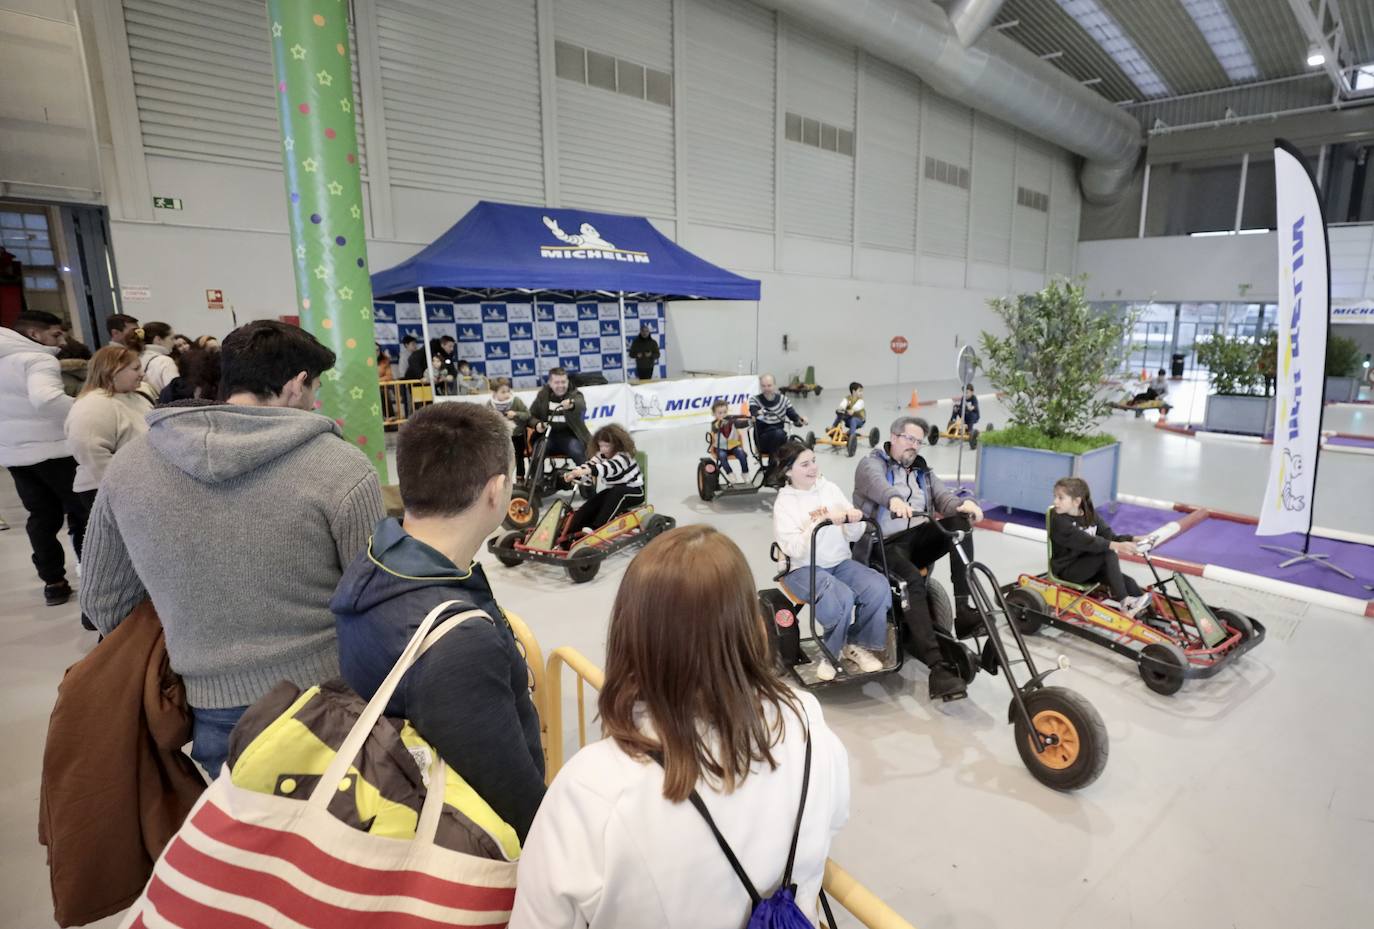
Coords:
pixel 249 860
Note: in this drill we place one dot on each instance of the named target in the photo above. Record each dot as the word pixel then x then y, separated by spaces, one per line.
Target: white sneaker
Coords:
pixel 1134 605
pixel 866 660
pixel 825 671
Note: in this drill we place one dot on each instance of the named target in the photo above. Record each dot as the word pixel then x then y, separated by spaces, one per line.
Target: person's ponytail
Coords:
pixel 134 340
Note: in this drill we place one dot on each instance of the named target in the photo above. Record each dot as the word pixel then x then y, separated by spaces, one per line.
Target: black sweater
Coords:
pixel 1069 540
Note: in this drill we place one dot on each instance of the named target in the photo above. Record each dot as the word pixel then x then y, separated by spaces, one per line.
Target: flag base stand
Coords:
pixel 1301 556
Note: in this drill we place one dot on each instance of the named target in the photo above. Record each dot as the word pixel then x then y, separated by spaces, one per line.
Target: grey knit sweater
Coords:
pixel 238 522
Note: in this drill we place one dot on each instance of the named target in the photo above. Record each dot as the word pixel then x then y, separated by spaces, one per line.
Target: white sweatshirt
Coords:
pixel 795 514
pixel 607 850
pixel 159 369
pixel 98 425
pixel 33 404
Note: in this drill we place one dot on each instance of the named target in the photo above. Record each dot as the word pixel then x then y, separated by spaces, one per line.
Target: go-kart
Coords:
pixel 799 655
pixel 549 541
pixel 712 482
pixel 957 431
pixel 543 478
pixel 799 386
pixel 1176 637
pixel 1142 407
pixel 839 436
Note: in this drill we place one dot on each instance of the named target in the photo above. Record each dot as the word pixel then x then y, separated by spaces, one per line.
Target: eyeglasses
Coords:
pixel 912 439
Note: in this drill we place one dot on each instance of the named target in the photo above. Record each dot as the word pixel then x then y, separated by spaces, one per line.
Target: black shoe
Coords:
pixel 967 622
pixel 57 594
pixel 945 682
pixel 87 624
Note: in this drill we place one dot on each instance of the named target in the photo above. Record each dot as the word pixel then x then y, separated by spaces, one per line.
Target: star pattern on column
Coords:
pixel 335 188
pixel 365 313
pixel 345 293
pixel 333 374
pixel 320 272
pixel 276 30
pixel 346 105
pixel 325 78
pixel 310 164
pixel 298 52
pixel 300 252
pixel 376 409
pixel 355 211
pixel 356 393
pixel 290 144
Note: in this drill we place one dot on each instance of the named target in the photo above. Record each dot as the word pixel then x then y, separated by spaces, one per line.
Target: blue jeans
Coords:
pixel 565 443
pixel 852 423
pixel 847 586
pixel 723 459
pixel 210 736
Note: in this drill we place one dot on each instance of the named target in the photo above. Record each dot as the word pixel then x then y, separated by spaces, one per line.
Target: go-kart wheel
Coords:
pixel 852 444
pixel 818 391
pixel 810 439
pixel 933 436
pixel 505 549
pixel 874 437
pixel 1026 607
pixel 1161 666
pixel 1237 621
pixel 707 480
pixel 657 525
pixel 973 438
pixel 583 565
pixel 1080 752
pixel 521 512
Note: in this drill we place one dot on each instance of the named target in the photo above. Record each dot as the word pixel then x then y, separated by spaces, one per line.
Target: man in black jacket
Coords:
pixel 559 409
pixel 644 350
pixel 468 696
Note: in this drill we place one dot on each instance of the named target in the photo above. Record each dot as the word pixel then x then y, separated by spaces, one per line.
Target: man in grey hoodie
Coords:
pixel 287 505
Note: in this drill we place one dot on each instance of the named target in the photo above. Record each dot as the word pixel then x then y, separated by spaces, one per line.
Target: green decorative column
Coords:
pixel 324 188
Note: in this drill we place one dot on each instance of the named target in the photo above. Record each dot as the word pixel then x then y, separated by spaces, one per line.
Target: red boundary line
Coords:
pixel 1174 427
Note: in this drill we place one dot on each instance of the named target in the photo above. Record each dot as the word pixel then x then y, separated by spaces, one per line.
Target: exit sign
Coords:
pixel 166 203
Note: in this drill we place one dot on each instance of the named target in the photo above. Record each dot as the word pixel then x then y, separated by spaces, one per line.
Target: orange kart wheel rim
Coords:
pixel 519 510
pixel 1065 752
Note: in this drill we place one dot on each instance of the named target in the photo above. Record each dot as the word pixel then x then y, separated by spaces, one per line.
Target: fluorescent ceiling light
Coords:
pixel 1252 232
pixel 1364 78
pixel 1107 32
pixel 1204 235
pixel 1315 58
pixel 1219 28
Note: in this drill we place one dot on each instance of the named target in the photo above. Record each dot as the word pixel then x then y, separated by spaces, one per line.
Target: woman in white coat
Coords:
pixel 159 367
pixel 108 414
pixel 691 705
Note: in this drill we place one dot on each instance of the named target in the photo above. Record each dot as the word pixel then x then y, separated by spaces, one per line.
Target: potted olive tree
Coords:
pixel 1343 360
pixel 1049 367
pixel 1237 372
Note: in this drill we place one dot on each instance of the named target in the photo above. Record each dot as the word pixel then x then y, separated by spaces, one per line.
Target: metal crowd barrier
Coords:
pixel 840 885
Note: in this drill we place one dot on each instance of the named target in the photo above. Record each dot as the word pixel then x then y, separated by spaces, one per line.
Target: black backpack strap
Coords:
pixel 801 808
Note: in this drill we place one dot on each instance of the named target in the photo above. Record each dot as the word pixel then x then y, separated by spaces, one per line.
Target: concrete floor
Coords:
pixel 1242 801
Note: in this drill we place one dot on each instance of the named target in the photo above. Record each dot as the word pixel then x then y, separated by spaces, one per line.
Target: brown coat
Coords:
pixel 116 785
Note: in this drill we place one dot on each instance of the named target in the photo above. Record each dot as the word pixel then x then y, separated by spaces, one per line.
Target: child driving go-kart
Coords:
pixel 619 484
pixel 1084 549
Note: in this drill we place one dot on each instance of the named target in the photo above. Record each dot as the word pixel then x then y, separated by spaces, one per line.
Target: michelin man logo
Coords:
pixel 1292 467
pixel 588 237
pixel 647 406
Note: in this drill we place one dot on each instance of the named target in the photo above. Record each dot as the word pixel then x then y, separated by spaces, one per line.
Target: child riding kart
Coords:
pixel 741 437
pixel 962 421
pixel 849 420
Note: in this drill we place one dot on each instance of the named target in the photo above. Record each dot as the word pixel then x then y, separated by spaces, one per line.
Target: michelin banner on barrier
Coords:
pixel 655 405
pixel 1304 308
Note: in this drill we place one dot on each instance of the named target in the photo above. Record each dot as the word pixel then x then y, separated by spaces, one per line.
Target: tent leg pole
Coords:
pixel 424 331
pixel 624 346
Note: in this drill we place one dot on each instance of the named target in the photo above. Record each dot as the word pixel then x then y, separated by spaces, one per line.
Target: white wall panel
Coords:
pixel 614 153
pixel 889 141
pixel 460 87
pixel 817 185
pixel 636 30
pixel 1030 228
pixel 728 113
pixel 994 191
pixel 946 134
pixel 819 77
pixel 1064 209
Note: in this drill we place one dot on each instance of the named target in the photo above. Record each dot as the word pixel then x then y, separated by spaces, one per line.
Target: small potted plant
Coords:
pixel 1050 367
pixel 1238 375
pixel 1343 362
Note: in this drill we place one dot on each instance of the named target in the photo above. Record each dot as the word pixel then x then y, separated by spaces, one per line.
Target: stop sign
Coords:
pixel 898 344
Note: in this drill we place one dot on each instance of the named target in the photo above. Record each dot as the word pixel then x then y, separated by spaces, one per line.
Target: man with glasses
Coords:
pixel 894 486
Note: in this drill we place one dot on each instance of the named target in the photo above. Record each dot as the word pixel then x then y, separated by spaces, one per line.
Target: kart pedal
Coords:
pixel 957 695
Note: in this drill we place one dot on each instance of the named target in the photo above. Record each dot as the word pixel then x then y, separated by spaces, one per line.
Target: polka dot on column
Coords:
pixel 281 88
pixel 295 197
pixel 340 240
pixel 381 456
pixel 305 304
pixel 360 262
pixel 318 404
pixel 316 218
pixel 340 49
pixel 304 108
pixel 362 440
pixel 330 133
pixel 370 362
pixel 352 158
pixel 328 324
pixel 339 423
pixel 352 343
pixel 318 19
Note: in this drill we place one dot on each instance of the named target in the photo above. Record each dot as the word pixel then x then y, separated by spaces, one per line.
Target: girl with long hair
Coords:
pixel 107 415
pixel 1083 548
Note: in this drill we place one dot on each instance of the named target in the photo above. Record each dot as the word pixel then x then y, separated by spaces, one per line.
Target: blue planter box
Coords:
pixel 1342 389
pixel 1239 415
pixel 1023 478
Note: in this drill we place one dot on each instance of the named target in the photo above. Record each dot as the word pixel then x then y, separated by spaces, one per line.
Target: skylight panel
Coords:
pixel 1219 28
pixel 1107 32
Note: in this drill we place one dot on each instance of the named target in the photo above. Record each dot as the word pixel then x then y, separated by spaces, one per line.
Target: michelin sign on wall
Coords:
pixel 523 341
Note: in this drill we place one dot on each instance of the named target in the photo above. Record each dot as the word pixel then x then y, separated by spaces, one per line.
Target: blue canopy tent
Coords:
pixel 501 251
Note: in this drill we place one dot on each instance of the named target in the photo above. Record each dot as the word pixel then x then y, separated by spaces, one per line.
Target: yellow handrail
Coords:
pixel 858 900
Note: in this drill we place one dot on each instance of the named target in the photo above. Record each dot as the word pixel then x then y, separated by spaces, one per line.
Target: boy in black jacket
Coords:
pixel 468 696
pixel 1083 548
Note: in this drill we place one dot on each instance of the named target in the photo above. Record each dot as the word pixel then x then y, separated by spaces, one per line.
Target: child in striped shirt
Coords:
pixel 619 483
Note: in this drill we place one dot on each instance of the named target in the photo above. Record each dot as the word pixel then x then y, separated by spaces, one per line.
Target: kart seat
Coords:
pixel 1049 559
pixel 775 553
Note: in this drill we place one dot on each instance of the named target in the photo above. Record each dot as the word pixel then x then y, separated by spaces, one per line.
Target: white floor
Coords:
pixel 1242 801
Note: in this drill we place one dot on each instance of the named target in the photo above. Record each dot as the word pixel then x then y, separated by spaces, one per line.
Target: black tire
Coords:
pixel 810 440
pixel 1161 666
pixel 505 549
pixel 707 482
pixel 521 512
pixel 583 566
pixel 818 391
pixel 874 437
pixel 1082 753
pixel 973 438
pixel 933 436
pixel 1237 621
pixel 852 445
pixel 1026 607
pixel 657 525
pixel 988 427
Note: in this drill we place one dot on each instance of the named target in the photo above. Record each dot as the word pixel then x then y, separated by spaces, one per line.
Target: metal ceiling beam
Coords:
pixel 1320 21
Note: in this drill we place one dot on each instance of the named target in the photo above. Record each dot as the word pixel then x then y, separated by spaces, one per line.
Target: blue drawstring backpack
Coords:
pixel 778 910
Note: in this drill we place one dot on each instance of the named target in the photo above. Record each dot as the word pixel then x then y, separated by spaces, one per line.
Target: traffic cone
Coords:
pixel 915 400
pixel 744 408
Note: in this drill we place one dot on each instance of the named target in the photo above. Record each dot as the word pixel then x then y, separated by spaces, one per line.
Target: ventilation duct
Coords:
pixel 997 76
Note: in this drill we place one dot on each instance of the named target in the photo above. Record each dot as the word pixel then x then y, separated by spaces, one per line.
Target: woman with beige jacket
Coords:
pixel 107 414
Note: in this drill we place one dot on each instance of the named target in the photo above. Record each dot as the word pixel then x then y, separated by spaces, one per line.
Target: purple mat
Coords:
pixel 1356 443
pixel 1235 545
pixel 1128 519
